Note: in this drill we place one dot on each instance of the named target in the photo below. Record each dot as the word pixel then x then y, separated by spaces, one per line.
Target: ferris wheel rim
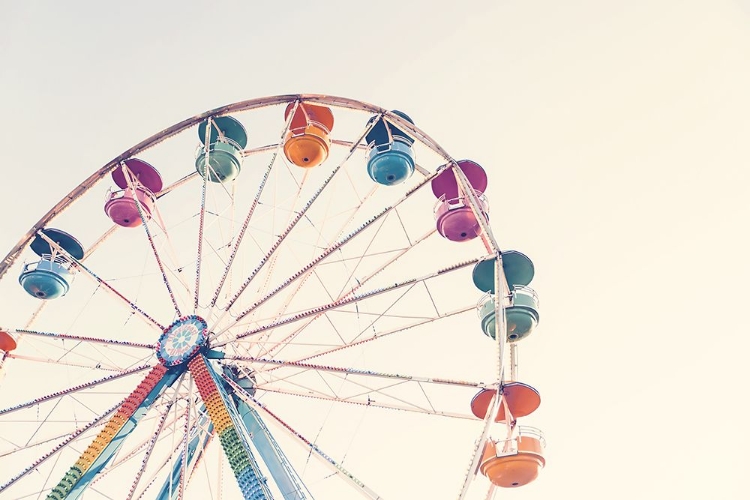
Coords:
pixel 237 107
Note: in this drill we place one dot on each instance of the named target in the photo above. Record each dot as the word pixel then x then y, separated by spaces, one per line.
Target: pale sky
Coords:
pixel 614 135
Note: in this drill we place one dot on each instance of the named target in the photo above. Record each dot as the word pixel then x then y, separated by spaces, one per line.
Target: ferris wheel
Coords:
pixel 290 297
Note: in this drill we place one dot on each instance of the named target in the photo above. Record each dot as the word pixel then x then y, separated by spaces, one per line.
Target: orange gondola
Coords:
pixel 307 142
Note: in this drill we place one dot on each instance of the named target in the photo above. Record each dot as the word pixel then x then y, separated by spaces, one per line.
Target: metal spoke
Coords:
pixel 383 334
pixel 251 211
pixel 99 280
pixel 150 449
pixel 336 246
pixel 72 390
pixel 186 440
pixel 367 391
pixel 144 222
pixel 59 447
pixel 156 473
pixel 354 371
pixel 361 282
pixel 300 214
pixel 304 278
pixel 349 300
pixel 202 215
pixel 78 338
pixel 368 402
pixel 51 361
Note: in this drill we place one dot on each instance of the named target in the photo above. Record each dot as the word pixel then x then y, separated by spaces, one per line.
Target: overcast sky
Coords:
pixel 615 136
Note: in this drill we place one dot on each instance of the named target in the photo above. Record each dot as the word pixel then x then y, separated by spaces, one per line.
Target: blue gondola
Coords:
pixel 390 157
pixel 50 276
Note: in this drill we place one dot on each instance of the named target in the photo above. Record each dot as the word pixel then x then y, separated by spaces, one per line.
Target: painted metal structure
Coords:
pixel 281 470
pixel 194 380
pixel 228 425
pixel 109 439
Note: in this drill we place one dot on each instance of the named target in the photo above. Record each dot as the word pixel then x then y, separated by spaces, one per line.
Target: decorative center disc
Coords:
pixel 182 340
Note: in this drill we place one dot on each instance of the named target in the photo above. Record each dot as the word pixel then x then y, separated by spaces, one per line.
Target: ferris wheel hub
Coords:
pixel 182 340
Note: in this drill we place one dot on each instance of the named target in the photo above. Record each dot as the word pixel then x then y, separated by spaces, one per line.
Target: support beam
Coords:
pixel 281 470
pixel 228 426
